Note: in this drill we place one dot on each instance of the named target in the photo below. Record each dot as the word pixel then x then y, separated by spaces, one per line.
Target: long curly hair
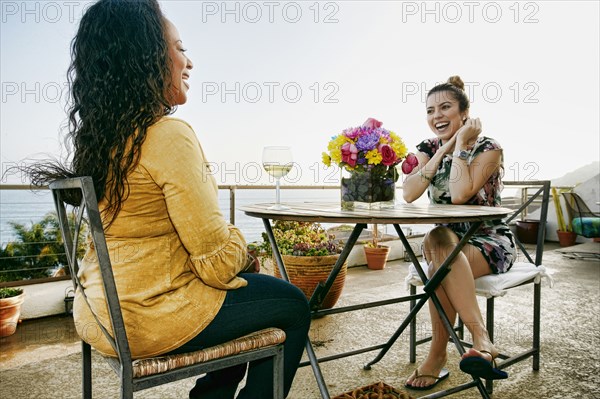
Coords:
pixel 118 77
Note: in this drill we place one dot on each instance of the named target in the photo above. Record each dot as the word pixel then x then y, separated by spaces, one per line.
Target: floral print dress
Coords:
pixel 494 239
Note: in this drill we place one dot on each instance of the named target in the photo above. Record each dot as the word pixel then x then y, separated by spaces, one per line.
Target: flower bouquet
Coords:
pixel 368 156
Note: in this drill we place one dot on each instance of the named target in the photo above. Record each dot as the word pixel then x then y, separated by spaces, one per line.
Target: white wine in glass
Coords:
pixel 278 162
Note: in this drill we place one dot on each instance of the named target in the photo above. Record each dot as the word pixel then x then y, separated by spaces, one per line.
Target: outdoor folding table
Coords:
pixel 400 214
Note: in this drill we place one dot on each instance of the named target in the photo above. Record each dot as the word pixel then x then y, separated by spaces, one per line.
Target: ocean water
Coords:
pixel 27 207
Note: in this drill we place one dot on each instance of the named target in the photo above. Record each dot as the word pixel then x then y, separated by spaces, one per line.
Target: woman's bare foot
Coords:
pixel 486 350
pixel 432 366
pixel 486 354
pixel 483 344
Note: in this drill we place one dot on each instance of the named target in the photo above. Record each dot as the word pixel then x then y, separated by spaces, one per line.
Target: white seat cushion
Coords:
pixel 494 285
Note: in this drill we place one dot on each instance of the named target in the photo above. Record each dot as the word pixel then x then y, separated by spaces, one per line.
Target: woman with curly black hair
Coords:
pixel 176 262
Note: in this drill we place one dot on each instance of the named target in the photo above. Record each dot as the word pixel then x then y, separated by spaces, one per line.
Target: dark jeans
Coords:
pixel 265 302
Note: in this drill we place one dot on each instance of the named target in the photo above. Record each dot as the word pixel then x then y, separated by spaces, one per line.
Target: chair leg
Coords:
pixel 278 374
pixel 86 352
pixel 412 330
pixel 126 382
pixel 489 324
pixel 537 299
pixel 126 389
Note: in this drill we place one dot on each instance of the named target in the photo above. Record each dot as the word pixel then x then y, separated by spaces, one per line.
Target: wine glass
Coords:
pixel 277 161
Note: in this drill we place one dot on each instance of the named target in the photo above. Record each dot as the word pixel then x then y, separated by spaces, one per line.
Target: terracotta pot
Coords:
pixel 305 272
pixel 527 231
pixel 10 311
pixel 566 238
pixel 376 257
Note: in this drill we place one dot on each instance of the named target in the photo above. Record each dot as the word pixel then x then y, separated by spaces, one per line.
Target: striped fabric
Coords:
pixel 161 364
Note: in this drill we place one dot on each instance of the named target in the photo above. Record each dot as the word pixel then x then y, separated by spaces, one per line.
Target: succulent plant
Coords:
pixel 300 239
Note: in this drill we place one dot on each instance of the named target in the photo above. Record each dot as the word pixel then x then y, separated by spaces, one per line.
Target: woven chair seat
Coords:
pixel 255 340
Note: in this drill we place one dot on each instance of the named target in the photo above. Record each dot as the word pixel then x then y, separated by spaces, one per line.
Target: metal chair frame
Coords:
pixel 577 209
pixel 123 364
pixel 542 194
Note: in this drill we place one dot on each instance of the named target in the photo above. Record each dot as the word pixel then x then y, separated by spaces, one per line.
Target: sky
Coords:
pixel 297 73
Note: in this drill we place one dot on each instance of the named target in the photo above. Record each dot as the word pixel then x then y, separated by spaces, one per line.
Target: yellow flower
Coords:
pixel 335 148
pixel 326 159
pixel 398 145
pixel 373 157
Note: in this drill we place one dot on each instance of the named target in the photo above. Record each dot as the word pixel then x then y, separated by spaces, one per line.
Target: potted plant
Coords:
pixel 375 253
pixel 309 254
pixel 566 236
pixel 11 300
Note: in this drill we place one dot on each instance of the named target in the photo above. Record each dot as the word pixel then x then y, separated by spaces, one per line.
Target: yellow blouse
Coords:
pixel 172 253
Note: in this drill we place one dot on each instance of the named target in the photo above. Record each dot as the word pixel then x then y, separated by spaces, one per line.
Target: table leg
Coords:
pixel 319 294
pixel 275 249
pixel 314 364
pixel 322 289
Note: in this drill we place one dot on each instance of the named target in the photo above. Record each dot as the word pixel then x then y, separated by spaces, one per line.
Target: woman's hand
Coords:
pixel 469 132
pixel 448 146
pixel 252 261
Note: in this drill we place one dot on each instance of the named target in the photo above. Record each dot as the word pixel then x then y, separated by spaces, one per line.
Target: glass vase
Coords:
pixel 368 189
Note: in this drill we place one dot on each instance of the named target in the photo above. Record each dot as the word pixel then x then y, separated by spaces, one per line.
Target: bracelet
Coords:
pixel 429 179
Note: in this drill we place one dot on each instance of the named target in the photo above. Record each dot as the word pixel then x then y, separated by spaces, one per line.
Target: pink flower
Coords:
pixel 409 163
pixel 388 156
pixel 412 159
pixel 352 133
pixel 349 154
pixel 372 123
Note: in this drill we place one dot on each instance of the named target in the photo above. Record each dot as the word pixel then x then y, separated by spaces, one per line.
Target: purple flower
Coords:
pixel 383 132
pixel 368 141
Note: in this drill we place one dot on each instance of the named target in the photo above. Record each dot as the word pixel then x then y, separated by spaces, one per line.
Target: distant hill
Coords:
pixel 578 176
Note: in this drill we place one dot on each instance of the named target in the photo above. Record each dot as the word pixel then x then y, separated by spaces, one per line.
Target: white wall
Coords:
pixel 45 299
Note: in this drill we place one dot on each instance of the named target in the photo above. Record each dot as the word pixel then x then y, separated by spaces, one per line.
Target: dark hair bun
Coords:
pixel 456 81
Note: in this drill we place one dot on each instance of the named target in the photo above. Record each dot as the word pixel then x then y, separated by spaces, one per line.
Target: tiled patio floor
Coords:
pixel 42 359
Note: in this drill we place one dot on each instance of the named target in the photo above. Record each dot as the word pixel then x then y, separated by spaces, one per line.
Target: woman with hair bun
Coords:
pixel 459 166
pixel 178 266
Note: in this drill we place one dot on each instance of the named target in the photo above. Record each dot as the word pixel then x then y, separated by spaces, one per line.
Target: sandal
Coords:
pixel 481 368
pixel 442 376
